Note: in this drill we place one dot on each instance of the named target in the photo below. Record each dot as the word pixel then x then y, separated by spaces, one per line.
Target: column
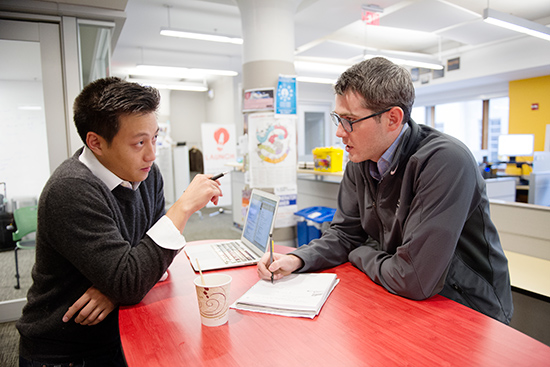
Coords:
pixel 268 51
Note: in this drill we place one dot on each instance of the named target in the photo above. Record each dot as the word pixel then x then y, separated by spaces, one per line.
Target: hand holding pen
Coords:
pixel 277 265
pixel 219 175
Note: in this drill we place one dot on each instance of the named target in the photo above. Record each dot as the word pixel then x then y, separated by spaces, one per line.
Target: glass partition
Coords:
pixel 463 120
pixel 94 43
pixel 24 164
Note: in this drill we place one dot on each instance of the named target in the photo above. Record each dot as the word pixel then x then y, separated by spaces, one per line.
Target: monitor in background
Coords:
pixel 514 145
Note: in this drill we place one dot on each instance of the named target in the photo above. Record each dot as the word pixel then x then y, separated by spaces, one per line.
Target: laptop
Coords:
pixel 254 242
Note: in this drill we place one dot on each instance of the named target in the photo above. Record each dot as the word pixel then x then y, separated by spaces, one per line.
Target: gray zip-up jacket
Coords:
pixel 424 229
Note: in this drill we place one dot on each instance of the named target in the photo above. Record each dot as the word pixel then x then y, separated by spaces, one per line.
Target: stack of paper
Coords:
pixel 297 295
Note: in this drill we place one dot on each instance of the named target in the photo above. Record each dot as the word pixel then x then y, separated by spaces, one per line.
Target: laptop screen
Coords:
pixel 259 220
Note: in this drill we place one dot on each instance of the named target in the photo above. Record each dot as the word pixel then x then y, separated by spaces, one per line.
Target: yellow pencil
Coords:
pixel 271 254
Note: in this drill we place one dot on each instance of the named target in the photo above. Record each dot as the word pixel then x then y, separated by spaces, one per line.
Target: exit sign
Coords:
pixel 370 17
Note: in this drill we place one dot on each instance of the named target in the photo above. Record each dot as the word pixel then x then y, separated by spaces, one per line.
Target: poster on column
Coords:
pixel 271 150
pixel 285 101
pixel 219 147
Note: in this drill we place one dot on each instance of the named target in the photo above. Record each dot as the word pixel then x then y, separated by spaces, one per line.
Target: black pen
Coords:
pixel 219 175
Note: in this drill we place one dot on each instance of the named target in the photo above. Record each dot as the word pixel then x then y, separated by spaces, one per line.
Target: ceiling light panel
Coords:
pixel 178 72
pixel 441 15
pixel 333 49
pixel 387 38
pixel 476 33
pixel 200 36
pixel 517 24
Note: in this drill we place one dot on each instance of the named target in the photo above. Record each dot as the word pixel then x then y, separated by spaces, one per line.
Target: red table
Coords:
pixel 361 324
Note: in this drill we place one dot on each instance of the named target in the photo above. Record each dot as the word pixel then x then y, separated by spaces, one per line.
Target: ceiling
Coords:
pixel 328 29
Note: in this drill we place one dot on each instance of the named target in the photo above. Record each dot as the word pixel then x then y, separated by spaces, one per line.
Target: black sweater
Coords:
pixel 88 235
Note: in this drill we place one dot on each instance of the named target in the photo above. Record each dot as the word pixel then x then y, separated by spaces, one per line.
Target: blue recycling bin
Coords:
pixel 312 222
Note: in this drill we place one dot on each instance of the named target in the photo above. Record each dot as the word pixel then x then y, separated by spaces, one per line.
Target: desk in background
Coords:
pixel 360 324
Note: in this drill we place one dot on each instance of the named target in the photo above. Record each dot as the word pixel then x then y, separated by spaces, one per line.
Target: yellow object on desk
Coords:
pixel 328 159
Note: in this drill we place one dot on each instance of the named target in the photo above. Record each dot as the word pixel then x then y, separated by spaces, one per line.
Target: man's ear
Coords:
pixel 95 142
pixel 395 116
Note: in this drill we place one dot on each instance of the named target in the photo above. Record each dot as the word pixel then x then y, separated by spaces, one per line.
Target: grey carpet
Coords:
pixel 209 223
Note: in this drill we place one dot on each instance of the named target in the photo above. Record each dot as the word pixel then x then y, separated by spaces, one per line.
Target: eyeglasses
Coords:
pixel 347 124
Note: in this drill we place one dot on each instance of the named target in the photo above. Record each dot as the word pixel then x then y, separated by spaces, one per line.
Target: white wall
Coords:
pixel 315 92
pixel 187 112
pixel 221 108
pixel 485 71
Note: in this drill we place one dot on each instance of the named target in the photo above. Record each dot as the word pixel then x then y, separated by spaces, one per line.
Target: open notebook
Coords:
pixel 296 295
pixel 255 238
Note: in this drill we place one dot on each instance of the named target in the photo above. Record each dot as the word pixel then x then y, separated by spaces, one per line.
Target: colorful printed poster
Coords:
pixel 219 142
pixel 285 101
pixel 271 150
pixel 258 99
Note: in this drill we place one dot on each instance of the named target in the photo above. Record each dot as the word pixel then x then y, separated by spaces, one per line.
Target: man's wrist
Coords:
pixel 297 262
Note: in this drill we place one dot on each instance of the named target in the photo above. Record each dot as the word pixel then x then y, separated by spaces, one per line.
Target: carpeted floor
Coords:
pixel 9 337
pixel 207 224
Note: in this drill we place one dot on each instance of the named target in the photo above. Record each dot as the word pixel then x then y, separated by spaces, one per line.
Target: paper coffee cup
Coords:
pixel 213 297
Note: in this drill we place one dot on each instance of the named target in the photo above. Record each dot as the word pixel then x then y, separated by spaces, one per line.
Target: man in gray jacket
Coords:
pixel 413 212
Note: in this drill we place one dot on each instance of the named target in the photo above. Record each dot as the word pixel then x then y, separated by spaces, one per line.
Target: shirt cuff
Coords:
pixel 166 235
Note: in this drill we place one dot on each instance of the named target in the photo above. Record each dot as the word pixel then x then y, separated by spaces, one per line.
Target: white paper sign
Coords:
pixel 219 145
pixel 287 206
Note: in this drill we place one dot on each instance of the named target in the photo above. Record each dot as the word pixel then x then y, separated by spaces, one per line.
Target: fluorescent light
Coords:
pixel 192 87
pixel 326 67
pixel 409 62
pixel 310 79
pixel 200 36
pixel 417 64
pixel 322 67
pixel 182 86
pixel 178 72
pixel 30 108
pixel 517 24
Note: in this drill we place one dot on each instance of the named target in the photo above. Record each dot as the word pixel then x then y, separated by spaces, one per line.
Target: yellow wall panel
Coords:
pixel 524 119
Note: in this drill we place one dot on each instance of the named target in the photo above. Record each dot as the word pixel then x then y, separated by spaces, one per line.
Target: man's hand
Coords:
pixel 199 192
pixel 282 265
pixel 94 307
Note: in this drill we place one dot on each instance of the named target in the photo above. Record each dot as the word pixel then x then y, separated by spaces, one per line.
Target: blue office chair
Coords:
pixel 25 220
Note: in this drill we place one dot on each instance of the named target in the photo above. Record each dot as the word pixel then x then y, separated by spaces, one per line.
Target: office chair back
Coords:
pixel 25 221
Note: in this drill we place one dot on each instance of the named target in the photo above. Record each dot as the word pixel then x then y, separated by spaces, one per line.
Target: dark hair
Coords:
pixel 381 83
pixel 100 104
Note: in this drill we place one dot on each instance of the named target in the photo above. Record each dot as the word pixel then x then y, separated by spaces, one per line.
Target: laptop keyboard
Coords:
pixel 233 252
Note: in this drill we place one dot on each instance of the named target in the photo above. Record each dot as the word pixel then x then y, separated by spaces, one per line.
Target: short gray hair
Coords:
pixel 381 83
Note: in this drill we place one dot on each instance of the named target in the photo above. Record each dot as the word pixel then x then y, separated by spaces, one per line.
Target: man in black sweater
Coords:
pixel 103 238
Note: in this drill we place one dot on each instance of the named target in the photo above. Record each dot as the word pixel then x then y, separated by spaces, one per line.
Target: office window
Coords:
pixel 463 120
pixel 314 128
pixel 498 124
pixel 418 114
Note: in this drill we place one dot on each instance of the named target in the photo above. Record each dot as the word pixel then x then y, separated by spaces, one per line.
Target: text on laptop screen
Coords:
pixel 258 224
